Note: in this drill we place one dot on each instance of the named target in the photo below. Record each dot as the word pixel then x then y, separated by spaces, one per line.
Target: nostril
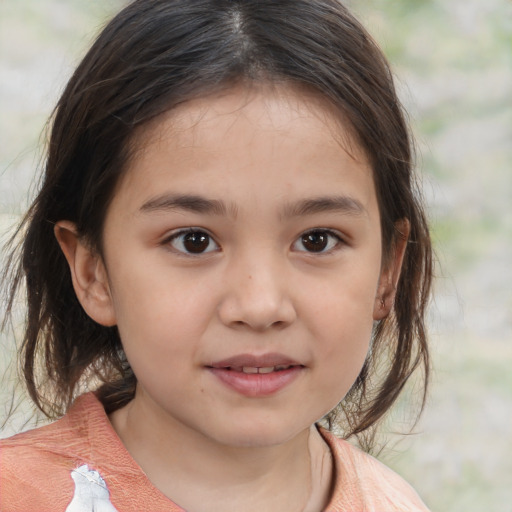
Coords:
pixel 256 308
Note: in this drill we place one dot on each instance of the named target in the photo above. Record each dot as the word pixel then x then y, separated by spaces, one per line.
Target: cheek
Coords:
pixel 342 323
pixel 343 301
pixel 347 343
pixel 340 364
pixel 159 320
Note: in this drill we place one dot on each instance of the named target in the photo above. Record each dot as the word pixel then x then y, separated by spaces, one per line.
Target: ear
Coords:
pixel 88 274
pixel 390 273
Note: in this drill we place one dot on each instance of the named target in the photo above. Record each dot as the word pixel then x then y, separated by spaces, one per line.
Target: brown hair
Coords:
pixel 151 57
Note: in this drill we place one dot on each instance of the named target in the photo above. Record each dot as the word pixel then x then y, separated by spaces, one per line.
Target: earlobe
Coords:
pixel 88 274
pixel 388 282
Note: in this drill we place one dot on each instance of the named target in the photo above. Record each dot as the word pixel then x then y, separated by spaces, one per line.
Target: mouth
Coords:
pixel 256 376
pixel 251 364
pixel 251 370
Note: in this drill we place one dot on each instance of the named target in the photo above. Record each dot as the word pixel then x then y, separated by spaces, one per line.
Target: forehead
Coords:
pixel 250 134
pixel 290 109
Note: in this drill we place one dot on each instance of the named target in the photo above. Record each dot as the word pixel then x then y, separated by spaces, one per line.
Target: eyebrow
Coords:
pixel 335 204
pixel 191 203
pixel 198 204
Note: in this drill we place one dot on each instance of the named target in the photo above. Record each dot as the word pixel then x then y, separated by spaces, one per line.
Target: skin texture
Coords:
pixel 274 164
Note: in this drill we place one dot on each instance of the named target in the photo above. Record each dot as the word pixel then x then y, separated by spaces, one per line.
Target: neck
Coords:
pixel 196 472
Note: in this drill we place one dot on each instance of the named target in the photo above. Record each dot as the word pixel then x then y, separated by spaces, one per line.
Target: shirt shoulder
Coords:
pixel 35 467
pixel 364 483
pixel 76 464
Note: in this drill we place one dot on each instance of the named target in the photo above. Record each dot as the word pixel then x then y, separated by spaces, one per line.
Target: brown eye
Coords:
pixel 193 242
pixel 196 242
pixel 317 241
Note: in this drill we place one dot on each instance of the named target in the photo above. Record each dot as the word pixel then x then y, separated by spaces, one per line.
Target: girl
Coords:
pixel 227 249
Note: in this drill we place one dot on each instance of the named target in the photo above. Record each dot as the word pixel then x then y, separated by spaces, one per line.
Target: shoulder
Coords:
pixel 35 466
pixel 60 439
pixel 77 463
pixel 363 482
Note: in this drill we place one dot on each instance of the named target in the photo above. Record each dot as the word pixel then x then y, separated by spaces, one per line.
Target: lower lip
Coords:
pixel 257 384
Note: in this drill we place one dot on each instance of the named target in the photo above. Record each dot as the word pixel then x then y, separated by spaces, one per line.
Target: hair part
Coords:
pixel 150 58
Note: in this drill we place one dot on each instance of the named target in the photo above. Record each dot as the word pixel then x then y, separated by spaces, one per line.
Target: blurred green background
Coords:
pixel 453 63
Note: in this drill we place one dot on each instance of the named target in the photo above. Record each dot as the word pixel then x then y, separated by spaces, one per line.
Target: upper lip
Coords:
pixel 255 361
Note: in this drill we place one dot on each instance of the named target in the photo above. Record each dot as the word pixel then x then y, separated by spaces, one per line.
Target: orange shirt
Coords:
pixel 79 464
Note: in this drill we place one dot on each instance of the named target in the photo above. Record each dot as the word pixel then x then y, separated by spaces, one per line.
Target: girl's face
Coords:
pixel 242 266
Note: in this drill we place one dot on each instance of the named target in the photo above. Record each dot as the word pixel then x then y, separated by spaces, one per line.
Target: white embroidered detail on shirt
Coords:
pixel 91 492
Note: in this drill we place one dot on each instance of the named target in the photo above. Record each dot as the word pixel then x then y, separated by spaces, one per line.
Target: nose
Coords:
pixel 258 294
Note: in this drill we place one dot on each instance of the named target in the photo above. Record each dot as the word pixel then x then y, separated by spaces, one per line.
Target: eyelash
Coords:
pixel 331 236
pixel 333 241
pixel 190 231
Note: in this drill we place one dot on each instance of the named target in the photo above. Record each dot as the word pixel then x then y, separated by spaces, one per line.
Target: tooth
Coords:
pixel 268 369
pixel 282 367
pixel 249 369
